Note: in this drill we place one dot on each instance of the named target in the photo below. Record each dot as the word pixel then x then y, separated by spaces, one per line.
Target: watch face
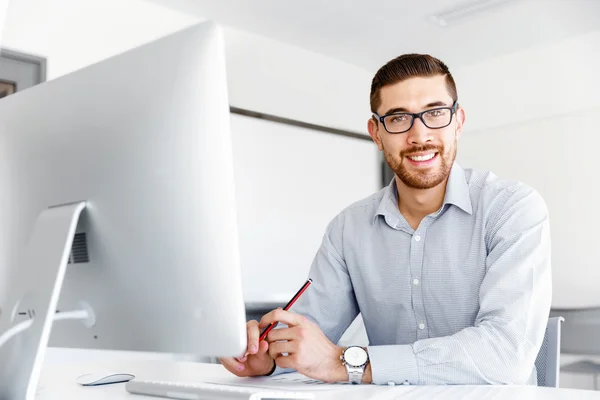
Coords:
pixel 355 356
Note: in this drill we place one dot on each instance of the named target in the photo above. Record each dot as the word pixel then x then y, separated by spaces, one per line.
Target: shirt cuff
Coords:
pixel 279 370
pixel 393 363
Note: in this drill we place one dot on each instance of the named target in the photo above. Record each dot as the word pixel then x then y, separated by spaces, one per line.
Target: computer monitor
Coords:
pixel 143 141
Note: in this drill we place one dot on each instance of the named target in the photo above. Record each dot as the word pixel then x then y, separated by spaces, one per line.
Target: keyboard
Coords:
pixel 209 391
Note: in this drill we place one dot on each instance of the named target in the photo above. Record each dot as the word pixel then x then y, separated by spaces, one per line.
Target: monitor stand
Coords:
pixel 33 292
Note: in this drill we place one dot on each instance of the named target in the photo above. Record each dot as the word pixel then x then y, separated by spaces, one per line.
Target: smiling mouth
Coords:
pixel 422 158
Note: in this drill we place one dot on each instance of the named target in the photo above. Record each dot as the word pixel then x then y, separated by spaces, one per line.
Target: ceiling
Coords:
pixel 369 33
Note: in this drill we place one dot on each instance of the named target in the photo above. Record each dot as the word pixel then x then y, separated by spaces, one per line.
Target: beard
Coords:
pixel 423 179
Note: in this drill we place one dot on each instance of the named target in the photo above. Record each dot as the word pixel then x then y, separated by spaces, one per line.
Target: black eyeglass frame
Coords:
pixel 418 115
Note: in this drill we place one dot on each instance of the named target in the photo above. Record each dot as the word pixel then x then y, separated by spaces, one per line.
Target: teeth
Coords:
pixel 422 158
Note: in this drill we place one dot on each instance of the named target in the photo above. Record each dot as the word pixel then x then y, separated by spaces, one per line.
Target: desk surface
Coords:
pixel 58 382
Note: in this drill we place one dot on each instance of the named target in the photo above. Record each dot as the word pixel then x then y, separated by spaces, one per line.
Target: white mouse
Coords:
pixel 103 378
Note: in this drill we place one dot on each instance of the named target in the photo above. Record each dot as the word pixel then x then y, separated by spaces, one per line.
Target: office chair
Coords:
pixel 547 362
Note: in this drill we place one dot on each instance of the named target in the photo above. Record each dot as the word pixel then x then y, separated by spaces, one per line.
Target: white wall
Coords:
pixel 3 11
pixel 538 83
pixel 535 116
pixel 73 34
pixel 292 182
pixel 264 75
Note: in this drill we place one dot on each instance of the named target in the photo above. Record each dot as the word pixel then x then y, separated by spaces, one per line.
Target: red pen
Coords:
pixel 272 325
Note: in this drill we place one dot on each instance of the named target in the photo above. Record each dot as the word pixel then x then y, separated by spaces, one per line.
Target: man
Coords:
pixel 450 268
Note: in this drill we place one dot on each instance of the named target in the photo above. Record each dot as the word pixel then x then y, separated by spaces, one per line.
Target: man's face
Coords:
pixel 421 157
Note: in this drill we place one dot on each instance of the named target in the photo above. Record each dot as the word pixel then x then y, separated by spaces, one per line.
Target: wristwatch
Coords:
pixel 355 358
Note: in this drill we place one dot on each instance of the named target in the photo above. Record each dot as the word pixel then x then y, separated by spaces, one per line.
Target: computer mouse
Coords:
pixel 103 378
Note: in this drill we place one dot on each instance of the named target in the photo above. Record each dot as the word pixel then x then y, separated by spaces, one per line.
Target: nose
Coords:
pixel 419 133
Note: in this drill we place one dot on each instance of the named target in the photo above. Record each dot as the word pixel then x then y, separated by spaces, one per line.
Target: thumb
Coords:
pixel 263 347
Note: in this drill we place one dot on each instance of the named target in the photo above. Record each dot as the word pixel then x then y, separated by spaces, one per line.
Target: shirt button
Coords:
pixel 417 238
pixel 415 281
pixel 421 326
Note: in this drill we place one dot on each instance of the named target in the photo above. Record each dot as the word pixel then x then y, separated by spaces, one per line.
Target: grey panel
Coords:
pixel 24 70
pixel 386 172
pixel 580 331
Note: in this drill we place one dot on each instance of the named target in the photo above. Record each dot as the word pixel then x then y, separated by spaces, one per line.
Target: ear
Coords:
pixel 460 121
pixel 373 127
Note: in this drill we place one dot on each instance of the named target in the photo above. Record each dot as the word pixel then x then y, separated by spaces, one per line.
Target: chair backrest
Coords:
pixel 547 362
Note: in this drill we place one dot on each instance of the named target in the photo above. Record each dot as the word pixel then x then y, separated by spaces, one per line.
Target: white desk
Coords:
pixel 58 382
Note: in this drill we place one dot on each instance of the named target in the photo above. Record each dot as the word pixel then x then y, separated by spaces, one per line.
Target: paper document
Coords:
pixel 295 378
pixel 292 381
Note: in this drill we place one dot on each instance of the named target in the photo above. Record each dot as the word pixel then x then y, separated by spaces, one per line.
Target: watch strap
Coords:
pixel 355 374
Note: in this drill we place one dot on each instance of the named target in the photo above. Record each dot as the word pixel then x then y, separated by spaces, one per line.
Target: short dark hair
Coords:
pixel 409 66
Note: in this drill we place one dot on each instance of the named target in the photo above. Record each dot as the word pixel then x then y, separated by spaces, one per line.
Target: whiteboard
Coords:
pixel 290 183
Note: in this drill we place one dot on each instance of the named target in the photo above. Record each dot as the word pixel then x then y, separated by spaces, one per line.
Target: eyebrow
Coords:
pixel 427 106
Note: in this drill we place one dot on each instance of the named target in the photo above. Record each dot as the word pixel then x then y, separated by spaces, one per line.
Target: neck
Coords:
pixel 415 204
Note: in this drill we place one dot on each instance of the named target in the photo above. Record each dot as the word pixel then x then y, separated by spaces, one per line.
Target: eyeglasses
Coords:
pixel 435 118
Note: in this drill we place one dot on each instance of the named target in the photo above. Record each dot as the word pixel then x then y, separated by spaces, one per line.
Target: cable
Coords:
pixel 77 315
pixel 14 331
pixel 86 315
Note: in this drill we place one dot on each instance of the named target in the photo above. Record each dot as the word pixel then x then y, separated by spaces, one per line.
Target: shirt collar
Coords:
pixel 457 189
pixel 389 203
pixel 457 193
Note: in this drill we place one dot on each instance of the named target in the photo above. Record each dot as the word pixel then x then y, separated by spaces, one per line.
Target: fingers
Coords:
pixel 232 365
pixel 252 365
pixel 278 348
pixel 253 334
pixel 279 315
pixel 283 334
pixel 286 361
pixel 263 348
pixel 267 317
pixel 242 359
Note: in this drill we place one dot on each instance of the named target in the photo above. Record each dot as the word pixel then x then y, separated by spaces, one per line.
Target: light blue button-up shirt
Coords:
pixel 462 299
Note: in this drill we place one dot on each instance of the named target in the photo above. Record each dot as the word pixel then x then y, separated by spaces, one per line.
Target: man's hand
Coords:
pixel 309 351
pixel 257 361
